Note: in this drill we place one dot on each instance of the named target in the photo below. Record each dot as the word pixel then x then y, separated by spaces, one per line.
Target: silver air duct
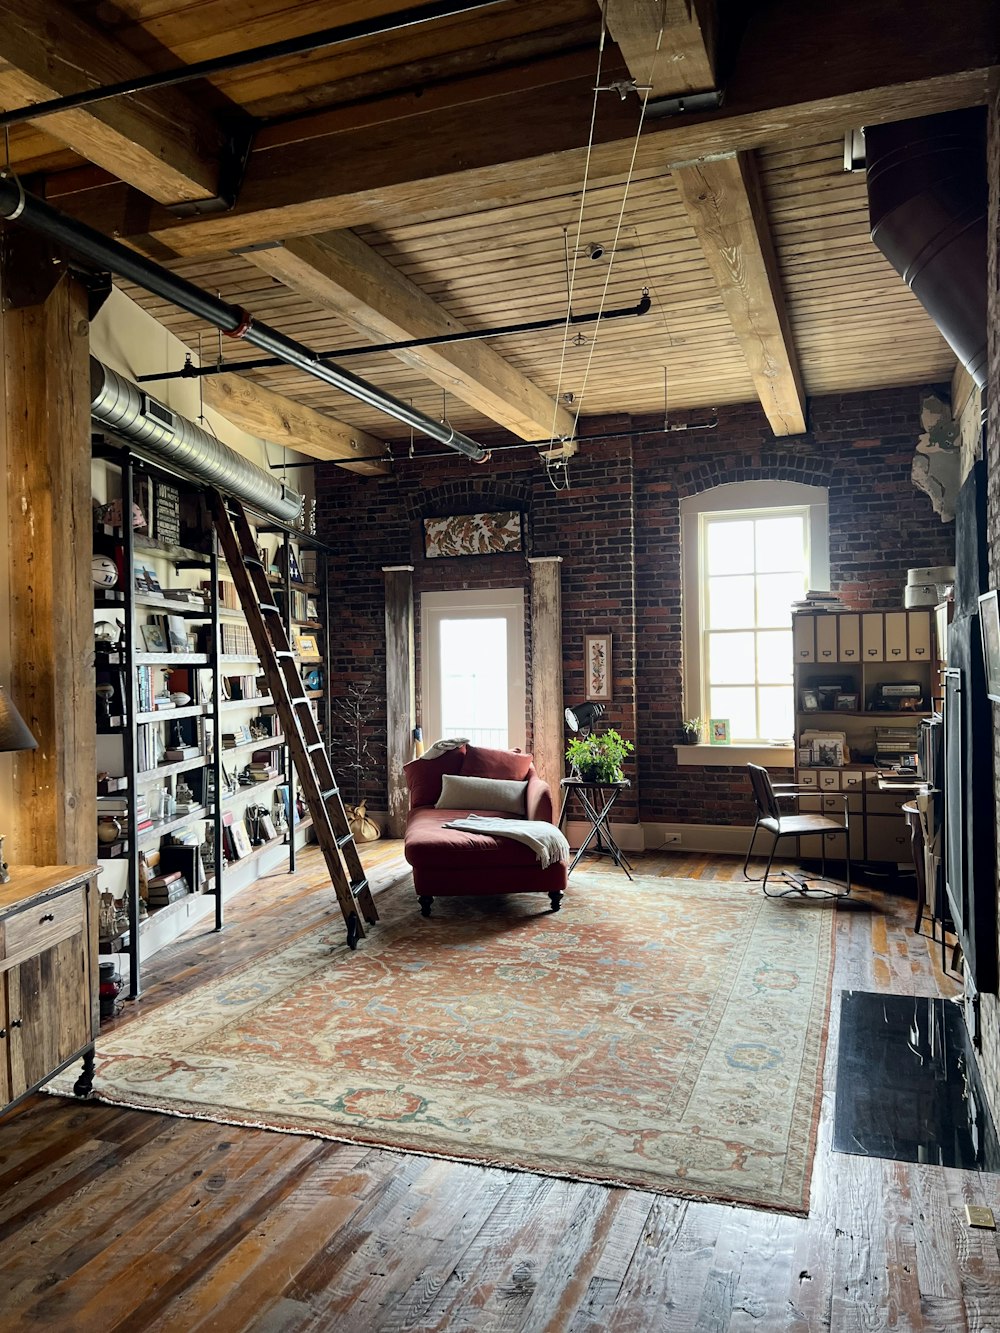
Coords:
pixel 173 441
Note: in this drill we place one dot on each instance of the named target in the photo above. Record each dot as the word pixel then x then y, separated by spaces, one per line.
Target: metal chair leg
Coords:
pixel 767 871
pixel 746 861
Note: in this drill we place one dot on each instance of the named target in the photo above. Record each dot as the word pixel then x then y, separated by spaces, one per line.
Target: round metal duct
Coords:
pixel 164 437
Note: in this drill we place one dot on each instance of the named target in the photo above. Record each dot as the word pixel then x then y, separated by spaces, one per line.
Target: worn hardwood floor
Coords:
pixel 115 1219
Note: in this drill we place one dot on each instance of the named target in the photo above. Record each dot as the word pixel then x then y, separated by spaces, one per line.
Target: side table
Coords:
pixel 597 798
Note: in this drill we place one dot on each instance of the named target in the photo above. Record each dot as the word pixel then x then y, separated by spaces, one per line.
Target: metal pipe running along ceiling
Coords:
pixel 16 205
pixel 175 442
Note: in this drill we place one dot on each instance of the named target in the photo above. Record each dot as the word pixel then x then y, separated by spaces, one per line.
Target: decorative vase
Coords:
pixel 108 830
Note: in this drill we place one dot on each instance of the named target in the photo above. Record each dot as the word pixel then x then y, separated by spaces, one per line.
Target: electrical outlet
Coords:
pixel 978 1215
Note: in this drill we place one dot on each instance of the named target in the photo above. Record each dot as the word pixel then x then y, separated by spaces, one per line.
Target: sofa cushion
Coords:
pixel 430 846
pixel 481 762
pixel 423 776
pixel 496 794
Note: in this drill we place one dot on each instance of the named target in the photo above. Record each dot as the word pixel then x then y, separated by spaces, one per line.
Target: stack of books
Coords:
pixel 167 888
pixel 117 808
pixel 896 746
pixel 818 600
pixel 235 640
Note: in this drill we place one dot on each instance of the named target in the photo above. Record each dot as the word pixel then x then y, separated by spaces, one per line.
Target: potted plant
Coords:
pixel 599 758
pixel 691 730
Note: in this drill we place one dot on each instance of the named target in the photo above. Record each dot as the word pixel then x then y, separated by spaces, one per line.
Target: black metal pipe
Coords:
pixel 256 55
pixel 387 456
pixel 16 205
pixel 189 371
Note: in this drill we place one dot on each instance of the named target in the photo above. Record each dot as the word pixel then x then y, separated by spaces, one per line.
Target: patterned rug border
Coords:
pixel 183 1109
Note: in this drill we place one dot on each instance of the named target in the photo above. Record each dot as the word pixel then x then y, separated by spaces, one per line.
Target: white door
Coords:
pixel 472 666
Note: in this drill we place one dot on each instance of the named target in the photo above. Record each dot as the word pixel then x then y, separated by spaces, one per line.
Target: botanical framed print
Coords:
pixel 597 664
pixel 473 534
pixel 989 627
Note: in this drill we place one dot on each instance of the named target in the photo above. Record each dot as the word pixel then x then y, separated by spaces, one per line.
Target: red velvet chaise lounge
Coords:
pixel 453 862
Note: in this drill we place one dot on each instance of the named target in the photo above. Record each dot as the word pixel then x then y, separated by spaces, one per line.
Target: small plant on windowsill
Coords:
pixel 691 730
pixel 599 758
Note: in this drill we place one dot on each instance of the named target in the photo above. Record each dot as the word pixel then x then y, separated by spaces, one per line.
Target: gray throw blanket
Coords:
pixel 545 840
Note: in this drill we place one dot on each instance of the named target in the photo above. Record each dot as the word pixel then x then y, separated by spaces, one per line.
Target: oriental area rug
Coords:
pixel 663 1034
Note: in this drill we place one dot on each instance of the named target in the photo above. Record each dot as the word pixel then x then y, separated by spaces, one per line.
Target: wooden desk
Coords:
pixel 49 1014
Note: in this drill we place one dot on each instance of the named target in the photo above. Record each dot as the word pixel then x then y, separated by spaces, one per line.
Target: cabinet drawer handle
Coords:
pixel 49 916
pixel 15 1022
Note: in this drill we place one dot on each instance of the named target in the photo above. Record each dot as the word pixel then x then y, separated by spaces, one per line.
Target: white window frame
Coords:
pixel 473 604
pixel 735 498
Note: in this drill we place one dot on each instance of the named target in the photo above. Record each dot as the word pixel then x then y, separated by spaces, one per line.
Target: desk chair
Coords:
pixel 793 825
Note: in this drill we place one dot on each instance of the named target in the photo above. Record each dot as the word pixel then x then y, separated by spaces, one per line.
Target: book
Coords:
pixel 162 881
pixel 179 752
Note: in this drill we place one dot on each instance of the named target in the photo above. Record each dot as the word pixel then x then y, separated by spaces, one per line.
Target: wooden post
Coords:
pixel 400 688
pixel 548 731
pixel 45 433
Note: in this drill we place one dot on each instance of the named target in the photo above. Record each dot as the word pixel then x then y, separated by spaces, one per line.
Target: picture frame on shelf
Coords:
pixel 307 647
pixel 241 839
pixel 718 731
pixel 153 637
pixel 846 702
pixel 989 629
pixel 809 701
pixel 177 634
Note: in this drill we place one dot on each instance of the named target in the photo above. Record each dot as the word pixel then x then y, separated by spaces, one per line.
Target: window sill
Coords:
pixel 732 756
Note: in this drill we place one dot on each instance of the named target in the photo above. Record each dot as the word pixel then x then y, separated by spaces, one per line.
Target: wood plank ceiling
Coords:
pixel 456 150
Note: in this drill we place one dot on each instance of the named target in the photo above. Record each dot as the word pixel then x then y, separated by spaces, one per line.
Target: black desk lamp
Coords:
pixel 582 717
pixel 14 735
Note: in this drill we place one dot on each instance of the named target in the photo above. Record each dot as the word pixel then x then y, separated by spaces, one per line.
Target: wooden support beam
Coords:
pixel 400 689
pixel 668 45
pixel 45 437
pixel 163 144
pixel 272 416
pixel 726 209
pixel 342 273
pixel 804 73
pixel 548 730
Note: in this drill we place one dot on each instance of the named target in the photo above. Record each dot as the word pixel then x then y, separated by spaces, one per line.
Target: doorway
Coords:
pixel 472 675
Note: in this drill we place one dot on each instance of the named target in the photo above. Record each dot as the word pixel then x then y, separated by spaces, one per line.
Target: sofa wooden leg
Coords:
pixel 555 898
pixel 425 900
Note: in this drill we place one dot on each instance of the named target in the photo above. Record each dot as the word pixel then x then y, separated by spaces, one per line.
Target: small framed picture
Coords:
pixel 241 839
pixel 154 638
pixel 597 664
pixel 810 701
pixel 846 702
pixel 989 628
pixel 177 634
pixel 718 731
pixel 307 647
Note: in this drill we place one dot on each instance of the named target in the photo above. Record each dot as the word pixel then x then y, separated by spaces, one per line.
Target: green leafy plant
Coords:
pixel 693 728
pixel 599 758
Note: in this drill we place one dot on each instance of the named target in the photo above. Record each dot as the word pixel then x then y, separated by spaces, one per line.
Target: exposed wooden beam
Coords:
pixel 726 209
pixel 803 73
pixel 272 416
pixel 668 45
pixel 163 144
pixel 339 271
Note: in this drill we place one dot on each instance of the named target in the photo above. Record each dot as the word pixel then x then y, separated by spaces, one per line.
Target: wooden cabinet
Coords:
pixel 49 1014
pixel 872 674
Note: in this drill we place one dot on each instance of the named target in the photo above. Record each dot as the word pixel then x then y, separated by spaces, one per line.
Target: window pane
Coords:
pixel 775 594
pixel 736 704
pixel 730 602
pixel 774 657
pixel 474 680
pixel 777 721
pixel 729 547
pixel 731 659
pixel 780 543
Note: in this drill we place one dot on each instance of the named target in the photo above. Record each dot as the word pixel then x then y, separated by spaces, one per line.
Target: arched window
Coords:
pixel 750 550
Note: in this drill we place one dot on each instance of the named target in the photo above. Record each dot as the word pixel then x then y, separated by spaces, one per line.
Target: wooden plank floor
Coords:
pixel 116 1219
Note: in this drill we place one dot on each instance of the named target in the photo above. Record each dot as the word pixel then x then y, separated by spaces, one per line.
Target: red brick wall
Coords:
pixel 617 530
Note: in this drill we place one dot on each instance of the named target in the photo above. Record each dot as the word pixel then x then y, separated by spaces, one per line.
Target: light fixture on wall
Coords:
pixel 14 735
pixel 581 717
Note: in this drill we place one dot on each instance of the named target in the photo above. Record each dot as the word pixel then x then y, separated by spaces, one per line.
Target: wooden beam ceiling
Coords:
pixel 271 416
pixel 668 45
pixel 726 209
pixel 162 144
pixel 339 271
pixel 804 73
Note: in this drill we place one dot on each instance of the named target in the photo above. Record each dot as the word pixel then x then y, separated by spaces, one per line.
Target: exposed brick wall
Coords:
pixel 617 529
pixel 990 1059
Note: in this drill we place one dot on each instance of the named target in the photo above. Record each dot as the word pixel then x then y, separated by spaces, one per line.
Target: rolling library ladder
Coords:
pixel 306 746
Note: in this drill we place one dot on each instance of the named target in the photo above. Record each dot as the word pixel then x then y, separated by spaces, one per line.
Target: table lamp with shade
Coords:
pixel 14 735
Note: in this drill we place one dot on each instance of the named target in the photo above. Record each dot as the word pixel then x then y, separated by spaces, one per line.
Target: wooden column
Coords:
pixel 400 688
pixel 548 731
pixel 45 434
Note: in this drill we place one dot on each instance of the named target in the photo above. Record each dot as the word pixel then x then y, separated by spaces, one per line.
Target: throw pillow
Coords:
pixel 464 793
pixel 481 762
pixel 423 776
